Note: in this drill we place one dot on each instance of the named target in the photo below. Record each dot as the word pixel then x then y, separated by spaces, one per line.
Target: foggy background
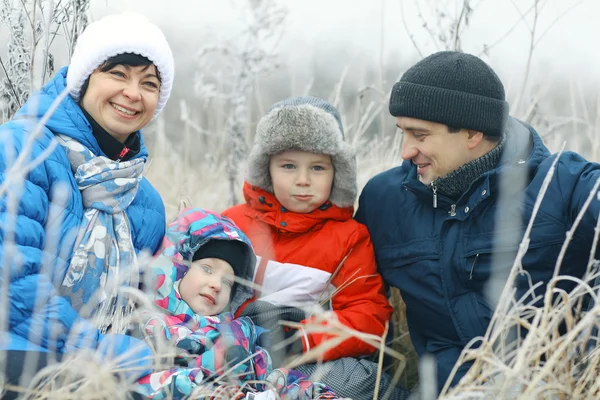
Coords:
pixel 369 42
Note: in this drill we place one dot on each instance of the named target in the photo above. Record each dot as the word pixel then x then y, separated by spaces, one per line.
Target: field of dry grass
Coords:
pixel 204 182
pixel 199 179
pixel 191 164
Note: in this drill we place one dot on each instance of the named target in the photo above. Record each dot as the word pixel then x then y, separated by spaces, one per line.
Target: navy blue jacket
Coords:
pixel 45 221
pixel 441 258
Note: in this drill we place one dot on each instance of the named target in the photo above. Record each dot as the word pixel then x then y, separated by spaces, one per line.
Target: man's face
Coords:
pixel 435 151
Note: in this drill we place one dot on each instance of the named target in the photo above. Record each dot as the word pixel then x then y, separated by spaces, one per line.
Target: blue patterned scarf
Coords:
pixel 104 258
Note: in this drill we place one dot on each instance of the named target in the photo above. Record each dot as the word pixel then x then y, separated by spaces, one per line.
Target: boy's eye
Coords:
pixel 288 166
pixel 318 168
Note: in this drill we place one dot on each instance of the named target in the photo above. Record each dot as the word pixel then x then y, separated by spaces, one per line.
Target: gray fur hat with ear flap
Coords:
pixel 310 124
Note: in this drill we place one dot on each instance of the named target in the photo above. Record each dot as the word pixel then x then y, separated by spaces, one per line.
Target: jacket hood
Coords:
pixel 193 228
pixel 265 206
pixel 523 145
pixel 304 124
pixel 68 118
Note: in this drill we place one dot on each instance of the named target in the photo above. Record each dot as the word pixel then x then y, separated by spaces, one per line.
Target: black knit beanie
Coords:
pixel 452 88
pixel 234 252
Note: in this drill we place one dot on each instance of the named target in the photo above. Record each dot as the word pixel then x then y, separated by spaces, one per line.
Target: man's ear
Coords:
pixel 473 138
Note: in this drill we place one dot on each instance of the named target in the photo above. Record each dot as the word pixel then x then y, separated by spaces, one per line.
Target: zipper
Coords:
pixel 434 189
pixel 262 268
pixel 473 266
pixel 452 211
pixel 122 154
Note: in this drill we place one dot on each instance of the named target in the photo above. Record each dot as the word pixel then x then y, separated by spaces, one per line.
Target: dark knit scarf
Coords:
pixel 458 181
pixel 114 149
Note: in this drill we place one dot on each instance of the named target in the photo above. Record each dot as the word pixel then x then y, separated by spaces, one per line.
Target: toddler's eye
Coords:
pixel 288 166
pixel 228 282
pixel 206 268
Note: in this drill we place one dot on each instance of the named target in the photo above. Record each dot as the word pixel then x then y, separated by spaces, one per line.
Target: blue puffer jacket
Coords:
pixel 441 258
pixel 45 229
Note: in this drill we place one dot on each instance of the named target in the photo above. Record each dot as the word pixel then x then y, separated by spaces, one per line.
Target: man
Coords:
pixel 459 204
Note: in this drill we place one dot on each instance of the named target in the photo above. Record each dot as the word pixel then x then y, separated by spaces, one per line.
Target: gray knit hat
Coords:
pixel 304 124
pixel 452 88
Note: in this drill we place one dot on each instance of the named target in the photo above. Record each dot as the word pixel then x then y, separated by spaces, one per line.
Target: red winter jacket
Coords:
pixel 299 253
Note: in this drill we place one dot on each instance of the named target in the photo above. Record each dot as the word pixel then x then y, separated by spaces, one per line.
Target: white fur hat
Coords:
pixel 310 124
pixel 117 34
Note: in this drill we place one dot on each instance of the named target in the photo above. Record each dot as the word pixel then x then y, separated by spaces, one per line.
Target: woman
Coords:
pixel 71 228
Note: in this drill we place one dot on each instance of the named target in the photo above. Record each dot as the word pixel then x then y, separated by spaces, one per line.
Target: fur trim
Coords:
pixel 304 127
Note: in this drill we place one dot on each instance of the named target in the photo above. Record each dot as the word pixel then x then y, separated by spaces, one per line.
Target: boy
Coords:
pixel 213 346
pixel 300 191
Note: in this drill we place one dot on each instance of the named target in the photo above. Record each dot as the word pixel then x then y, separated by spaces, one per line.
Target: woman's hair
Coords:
pixel 128 59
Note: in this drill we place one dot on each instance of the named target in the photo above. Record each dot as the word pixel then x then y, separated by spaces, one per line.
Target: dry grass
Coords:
pixel 188 166
pixel 184 173
pixel 402 343
pixel 558 359
pixel 203 183
pixel 200 180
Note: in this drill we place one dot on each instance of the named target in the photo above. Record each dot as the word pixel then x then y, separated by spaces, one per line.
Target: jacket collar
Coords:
pixel 522 154
pixel 266 207
pixel 114 149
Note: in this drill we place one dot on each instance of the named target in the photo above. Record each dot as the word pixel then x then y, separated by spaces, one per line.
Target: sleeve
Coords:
pixel 162 331
pixel 361 212
pixel 289 383
pixel 29 238
pixel 22 236
pixel 173 383
pixel 573 181
pixel 359 301
pixel 585 176
pixel 235 213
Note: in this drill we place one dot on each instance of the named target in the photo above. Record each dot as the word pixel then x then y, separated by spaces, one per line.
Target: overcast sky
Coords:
pixel 364 27
pixel 324 37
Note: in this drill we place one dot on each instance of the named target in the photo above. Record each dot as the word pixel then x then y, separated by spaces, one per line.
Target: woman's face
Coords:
pixel 123 99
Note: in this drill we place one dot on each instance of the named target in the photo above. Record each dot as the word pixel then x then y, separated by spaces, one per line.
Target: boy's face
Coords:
pixel 301 180
pixel 207 286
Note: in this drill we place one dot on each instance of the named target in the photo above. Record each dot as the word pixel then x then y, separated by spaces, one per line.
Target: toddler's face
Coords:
pixel 301 180
pixel 207 286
